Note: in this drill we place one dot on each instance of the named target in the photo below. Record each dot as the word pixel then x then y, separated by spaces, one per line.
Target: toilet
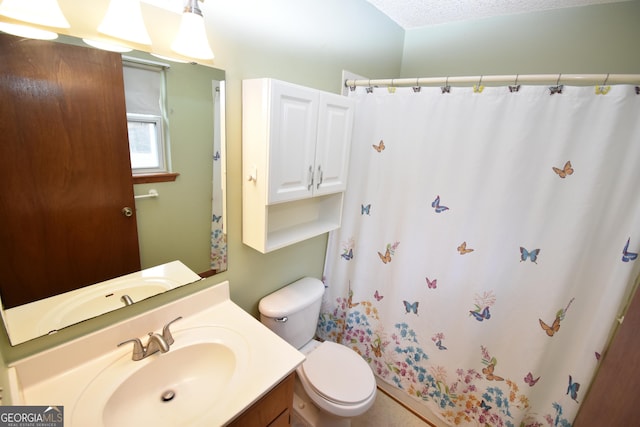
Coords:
pixel 334 383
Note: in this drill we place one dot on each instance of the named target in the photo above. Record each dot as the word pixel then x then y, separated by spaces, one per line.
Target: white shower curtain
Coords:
pixel 489 239
pixel 218 235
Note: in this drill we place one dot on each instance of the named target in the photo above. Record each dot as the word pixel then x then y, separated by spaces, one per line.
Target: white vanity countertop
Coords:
pixel 59 376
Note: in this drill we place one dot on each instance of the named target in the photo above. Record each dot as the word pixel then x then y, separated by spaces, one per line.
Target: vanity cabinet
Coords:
pixel 272 410
pixel 296 143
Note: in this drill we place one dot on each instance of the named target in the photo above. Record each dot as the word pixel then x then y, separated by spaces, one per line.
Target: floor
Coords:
pixel 385 412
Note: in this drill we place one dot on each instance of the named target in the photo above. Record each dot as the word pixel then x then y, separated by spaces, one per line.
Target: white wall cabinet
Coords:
pixel 295 149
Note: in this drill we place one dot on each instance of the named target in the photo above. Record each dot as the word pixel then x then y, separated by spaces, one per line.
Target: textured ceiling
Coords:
pixel 421 13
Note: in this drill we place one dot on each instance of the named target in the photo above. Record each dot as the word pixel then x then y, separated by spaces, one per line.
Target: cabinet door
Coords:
pixel 273 410
pixel 335 123
pixel 292 139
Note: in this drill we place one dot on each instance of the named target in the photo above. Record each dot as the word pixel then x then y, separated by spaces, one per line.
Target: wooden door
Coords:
pixel 612 399
pixel 65 173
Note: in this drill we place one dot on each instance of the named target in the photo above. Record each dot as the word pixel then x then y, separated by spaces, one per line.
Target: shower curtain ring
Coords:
pixel 369 89
pixel 515 87
pixel 417 87
pixel 446 88
pixel 604 89
pixel 557 88
pixel 478 88
pixel 351 87
pixel 392 88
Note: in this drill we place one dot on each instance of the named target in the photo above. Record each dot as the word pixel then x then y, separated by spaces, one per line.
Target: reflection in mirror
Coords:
pixel 185 221
pixel 219 201
pixel 49 315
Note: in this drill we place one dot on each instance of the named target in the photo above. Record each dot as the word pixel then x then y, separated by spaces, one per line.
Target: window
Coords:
pixel 144 84
pixel 146 142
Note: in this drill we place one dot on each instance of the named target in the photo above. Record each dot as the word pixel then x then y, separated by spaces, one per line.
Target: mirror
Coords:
pixel 185 220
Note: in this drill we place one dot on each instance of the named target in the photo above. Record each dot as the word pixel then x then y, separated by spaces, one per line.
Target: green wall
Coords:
pixel 177 224
pixel 304 41
pixel 582 40
pixel 310 42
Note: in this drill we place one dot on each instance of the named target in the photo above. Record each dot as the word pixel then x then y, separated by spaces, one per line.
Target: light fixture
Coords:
pixel 107 45
pixel 169 58
pixel 27 31
pixel 40 12
pixel 124 21
pixel 192 40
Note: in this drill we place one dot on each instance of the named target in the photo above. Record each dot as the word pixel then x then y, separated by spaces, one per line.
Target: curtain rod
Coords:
pixel 499 80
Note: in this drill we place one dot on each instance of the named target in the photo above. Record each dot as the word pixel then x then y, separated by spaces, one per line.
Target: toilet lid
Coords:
pixel 339 374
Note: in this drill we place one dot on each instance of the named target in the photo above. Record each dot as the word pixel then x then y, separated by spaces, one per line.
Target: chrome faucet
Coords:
pixel 155 343
pixel 126 299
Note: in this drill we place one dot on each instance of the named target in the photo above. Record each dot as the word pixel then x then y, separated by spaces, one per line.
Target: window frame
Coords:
pixel 160 144
pixel 162 173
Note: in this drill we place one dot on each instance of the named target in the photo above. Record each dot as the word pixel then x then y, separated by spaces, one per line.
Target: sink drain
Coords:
pixel 168 396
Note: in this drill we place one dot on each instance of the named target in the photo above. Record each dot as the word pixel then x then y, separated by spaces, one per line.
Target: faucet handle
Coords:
pixel 138 348
pixel 166 333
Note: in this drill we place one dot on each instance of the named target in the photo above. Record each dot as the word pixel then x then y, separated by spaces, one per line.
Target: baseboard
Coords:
pixel 409 404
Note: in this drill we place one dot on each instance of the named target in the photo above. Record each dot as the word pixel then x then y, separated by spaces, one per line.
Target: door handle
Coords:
pixel 127 211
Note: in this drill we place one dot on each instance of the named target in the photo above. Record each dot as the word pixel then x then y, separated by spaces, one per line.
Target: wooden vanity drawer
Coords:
pixel 284 420
pixel 272 410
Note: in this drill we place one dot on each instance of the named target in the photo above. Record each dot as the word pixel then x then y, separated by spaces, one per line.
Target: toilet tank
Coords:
pixel 292 312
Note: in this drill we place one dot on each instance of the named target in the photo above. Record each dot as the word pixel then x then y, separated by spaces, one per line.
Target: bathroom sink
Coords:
pixel 91 303
pixel 199 374
pixel 106 296
pixel 208 377
pixel 52 314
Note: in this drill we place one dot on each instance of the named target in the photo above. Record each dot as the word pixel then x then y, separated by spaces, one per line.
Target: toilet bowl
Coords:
pixel 334 383
pixel 337 380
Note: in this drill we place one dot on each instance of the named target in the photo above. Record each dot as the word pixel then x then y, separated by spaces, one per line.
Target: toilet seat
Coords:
pixel 338 374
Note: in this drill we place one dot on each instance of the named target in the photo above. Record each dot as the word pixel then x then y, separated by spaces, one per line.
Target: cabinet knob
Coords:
pixel 253 174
